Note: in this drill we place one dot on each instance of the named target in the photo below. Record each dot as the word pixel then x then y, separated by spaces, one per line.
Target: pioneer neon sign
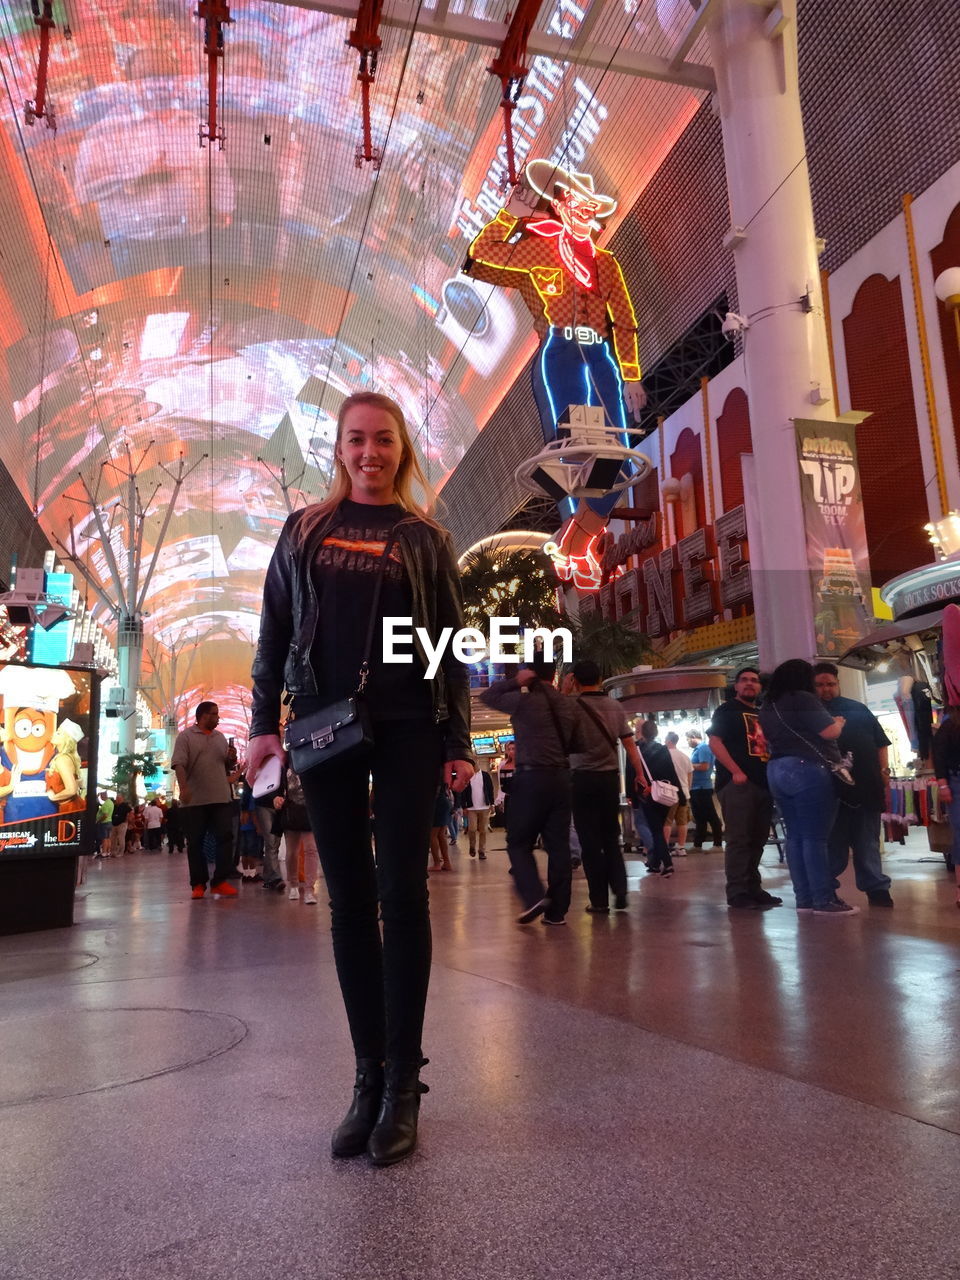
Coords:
pixel 684 585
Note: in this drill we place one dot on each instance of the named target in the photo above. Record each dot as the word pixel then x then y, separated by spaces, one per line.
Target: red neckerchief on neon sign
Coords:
pixel 578 255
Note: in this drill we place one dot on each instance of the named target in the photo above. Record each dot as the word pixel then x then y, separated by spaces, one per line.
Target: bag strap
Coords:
pixel 831 764
pixel 597 721
pixel 364 673
pixel 646 767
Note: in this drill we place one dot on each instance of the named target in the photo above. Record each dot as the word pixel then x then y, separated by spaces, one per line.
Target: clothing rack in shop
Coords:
pixel 910 802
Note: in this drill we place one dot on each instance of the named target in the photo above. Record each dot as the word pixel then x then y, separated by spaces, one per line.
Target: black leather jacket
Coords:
pixel 288 625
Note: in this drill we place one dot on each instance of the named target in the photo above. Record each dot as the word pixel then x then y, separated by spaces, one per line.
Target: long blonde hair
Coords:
pixel 409 473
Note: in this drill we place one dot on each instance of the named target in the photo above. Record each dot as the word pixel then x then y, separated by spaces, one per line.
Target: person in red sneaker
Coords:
pixel 202 761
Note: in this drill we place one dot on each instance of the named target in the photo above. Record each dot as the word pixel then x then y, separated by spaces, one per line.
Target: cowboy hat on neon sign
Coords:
pixel 572 195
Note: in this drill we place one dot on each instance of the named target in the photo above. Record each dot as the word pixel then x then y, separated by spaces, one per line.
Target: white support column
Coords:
pixel 785 346
pixel 129 672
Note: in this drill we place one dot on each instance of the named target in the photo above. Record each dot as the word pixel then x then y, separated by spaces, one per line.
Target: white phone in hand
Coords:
pixel 269 777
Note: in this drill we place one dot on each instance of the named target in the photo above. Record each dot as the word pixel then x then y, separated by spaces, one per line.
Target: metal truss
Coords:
pixel 701 353
pixel 538 515
pixel 434 20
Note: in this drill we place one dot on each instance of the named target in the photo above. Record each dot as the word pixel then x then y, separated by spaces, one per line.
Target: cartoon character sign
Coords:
pixel 581 309
pixel 31 699
pixel 574 291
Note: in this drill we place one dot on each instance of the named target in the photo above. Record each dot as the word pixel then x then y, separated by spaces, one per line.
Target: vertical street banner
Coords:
pixel 837 555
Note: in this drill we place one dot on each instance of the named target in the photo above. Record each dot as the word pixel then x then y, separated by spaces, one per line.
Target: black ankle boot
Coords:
pixel 394 1136
pixel 350 1139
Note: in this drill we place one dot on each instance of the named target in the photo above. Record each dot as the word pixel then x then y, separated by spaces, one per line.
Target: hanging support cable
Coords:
pixel 214 14
pixel 38 108
pixel 365 38
pixel 510 67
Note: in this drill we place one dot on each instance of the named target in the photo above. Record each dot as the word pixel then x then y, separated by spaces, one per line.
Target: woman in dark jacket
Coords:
pixel 662 769
pixel 318 599
pixel 801 736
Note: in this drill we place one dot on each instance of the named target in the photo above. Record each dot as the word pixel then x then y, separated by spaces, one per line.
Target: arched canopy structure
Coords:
pixel 173 298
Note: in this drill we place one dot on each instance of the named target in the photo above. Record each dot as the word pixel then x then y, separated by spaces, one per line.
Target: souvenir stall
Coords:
pixel 913 668
pixel 678 698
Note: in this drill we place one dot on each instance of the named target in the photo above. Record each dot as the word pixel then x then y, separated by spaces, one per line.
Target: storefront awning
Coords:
pixel 892 631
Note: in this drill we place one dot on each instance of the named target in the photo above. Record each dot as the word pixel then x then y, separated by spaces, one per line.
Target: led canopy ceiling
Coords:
pixel 162 296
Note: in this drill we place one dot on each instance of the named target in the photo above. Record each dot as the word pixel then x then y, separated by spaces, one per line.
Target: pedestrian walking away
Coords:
pixel 547 727
pixel 596 789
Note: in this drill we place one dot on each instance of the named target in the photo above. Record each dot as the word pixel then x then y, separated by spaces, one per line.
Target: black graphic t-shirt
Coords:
pixel 344 576
pixel 738 728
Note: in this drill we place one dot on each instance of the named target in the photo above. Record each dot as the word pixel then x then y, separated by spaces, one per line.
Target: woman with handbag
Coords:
pixel 801 737
pixel 655 801
pixel 369 551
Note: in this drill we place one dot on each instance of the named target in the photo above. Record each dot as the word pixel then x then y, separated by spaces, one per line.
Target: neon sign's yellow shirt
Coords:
pixel 553 296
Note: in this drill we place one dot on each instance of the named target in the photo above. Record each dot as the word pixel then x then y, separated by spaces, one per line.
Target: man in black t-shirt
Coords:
pixel 737 741
pixel 857 824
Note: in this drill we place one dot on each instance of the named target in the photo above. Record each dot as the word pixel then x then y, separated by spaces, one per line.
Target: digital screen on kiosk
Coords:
pixel 46 745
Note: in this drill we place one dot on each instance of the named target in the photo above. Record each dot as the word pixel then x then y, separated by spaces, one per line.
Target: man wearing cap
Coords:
pixel 575 292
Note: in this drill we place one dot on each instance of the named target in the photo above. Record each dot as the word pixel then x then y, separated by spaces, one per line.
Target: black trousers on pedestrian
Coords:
pixel 383 979
pixel 540 806
pixel 659 855
pixel 596 816
pixel 747 814
pixel 705 815
pixel 197 820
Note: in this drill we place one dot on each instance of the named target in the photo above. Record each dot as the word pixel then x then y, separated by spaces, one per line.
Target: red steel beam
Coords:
pixel 38 109
pixel 214 14
pixel 510 67
pixel 365 38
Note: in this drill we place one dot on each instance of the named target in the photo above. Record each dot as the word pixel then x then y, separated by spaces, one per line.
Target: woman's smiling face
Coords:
pixel 370 449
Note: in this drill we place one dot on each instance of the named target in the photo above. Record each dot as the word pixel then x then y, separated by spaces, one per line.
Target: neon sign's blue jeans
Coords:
pixel 569 371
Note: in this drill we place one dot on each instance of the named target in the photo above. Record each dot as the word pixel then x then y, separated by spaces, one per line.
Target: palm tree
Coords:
pixel 509 584
pixel 128 768
pixel 614 646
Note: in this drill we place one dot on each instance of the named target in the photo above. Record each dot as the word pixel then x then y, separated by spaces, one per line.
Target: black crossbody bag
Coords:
pixel 340 730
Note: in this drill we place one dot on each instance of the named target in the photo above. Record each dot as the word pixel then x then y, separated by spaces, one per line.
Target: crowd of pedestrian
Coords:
pixel 802 766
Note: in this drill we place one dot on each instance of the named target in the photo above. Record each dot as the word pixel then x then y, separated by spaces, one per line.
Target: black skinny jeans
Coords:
pixel 540 806
pixel 383 980
pixel 705 815
pixel 656 816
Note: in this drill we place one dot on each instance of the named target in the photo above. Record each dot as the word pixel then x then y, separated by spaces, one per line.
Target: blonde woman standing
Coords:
pixel 320 594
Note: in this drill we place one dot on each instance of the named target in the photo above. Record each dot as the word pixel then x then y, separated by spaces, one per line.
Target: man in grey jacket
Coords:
pixel 546 729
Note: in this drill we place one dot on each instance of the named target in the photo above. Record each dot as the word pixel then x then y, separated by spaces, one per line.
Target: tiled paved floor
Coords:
pixel 669 1093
